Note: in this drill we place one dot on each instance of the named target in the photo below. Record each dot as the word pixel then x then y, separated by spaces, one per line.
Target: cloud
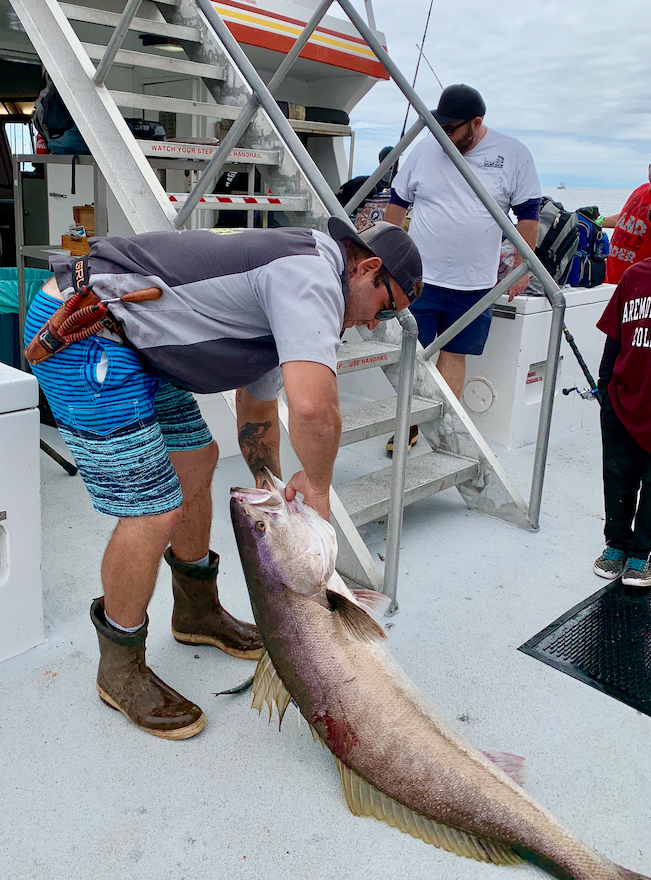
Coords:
pixel 569 80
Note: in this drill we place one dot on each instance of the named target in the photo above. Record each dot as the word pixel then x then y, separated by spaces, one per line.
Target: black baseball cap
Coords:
pixel 392 245
pixel 457 103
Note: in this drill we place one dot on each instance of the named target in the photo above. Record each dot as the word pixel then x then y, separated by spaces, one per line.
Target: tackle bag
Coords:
pixel 558 239
pixel 145 129
pixel 54 123
pixel 589 263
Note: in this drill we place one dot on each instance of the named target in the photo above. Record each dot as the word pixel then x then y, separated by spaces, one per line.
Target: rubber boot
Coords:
pixel 125 682
pixel 198 617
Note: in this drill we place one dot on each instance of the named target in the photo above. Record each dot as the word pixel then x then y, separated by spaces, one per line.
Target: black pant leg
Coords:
pixel 622 471
pixel 641 540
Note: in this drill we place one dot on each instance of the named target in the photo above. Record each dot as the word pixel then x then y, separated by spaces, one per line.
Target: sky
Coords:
pixel 569 79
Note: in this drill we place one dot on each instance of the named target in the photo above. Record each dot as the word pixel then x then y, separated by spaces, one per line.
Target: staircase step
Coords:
pixel 379 416
pixel 175 105
pixel 156 62
pixel 180 150
pixel 240 203
pixel 367 498
pixel 364 355
pixel 142 25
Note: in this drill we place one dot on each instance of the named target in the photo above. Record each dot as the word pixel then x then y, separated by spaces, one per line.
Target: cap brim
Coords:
pixel 340 229
pixel 444 120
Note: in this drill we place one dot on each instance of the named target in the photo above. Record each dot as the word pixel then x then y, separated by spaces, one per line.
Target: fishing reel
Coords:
pixel 585 393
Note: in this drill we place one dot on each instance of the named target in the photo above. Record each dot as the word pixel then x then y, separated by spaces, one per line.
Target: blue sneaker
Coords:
pixel 610 564
pixel 637 573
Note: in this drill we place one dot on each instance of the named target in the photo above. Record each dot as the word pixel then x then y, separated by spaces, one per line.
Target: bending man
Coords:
pixel 248 311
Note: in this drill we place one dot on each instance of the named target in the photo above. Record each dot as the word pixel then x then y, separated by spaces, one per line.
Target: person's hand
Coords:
pixel 519 287
pixel 314 497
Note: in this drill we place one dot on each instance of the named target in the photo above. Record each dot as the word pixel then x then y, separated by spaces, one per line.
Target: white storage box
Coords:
pixel 503 386
pixel 21 596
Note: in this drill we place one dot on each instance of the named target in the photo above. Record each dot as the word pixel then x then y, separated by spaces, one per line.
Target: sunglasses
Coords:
pixel 387 314
pixel 450 129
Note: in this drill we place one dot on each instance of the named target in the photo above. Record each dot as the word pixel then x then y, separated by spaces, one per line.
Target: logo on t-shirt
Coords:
pixel 491 163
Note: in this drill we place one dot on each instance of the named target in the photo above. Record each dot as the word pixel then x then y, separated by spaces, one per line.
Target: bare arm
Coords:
pixel 258 433
pixel 314 429
pixel 528 229
pixel 395 214
pixel 611 222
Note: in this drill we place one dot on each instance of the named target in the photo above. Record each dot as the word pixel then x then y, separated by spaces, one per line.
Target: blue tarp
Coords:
pixel 34 280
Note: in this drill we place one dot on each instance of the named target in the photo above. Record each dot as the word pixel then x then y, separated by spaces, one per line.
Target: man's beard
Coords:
pixel 467 141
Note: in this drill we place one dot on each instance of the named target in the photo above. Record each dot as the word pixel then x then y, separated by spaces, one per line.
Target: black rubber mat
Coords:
pixel 604 642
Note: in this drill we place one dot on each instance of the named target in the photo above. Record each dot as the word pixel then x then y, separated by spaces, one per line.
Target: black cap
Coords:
pixel 384 152
pixel 459 103
pixel 392 245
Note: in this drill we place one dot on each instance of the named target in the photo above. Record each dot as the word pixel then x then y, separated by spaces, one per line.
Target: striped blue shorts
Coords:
pixel 119 420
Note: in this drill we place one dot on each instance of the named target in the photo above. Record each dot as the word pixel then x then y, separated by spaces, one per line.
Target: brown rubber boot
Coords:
pixel 199 619
pixel 126 683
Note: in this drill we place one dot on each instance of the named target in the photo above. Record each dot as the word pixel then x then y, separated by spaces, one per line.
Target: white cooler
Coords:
pixel 503 386
pixel 21 595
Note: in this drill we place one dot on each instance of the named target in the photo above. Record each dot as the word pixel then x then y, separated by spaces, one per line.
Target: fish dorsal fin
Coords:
pixel 512 765
pixel 268 688
pixel 358 623
pixel 365 800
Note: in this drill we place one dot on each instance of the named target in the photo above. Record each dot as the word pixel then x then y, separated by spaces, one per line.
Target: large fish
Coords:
pixel 397 759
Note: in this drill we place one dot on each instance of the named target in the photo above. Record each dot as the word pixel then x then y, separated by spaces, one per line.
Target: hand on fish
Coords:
pixel 318 499
pixel 398 760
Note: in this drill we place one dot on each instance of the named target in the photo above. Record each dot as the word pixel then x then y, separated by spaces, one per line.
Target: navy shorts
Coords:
pixel 437 308
pixel 119 421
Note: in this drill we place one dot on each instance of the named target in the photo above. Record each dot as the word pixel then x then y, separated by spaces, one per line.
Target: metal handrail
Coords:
pixel 551 289
pixel 400 450
pixel 115 43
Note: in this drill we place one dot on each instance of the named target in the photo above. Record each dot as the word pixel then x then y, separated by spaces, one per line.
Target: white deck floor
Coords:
pixel 87 796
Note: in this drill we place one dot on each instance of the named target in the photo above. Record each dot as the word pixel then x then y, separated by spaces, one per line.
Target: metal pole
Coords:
pixel 399 462
pixel 99 199
pixel 351 155
pixel 545 420
pixel 300 154
pixel 19 220
pixel 115 43
pixel 468 317
pixel 251 191
pixel 386 163
pixel 250 108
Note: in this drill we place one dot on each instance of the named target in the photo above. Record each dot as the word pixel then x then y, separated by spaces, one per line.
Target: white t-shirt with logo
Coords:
pixel 458 240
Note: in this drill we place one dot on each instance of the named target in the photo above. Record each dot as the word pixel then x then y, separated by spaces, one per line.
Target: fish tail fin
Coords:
pixel 625 874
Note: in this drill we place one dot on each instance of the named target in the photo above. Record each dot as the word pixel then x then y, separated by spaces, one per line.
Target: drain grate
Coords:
pixel 604 642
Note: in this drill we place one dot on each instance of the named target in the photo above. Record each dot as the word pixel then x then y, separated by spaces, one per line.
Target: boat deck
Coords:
pixel 85 794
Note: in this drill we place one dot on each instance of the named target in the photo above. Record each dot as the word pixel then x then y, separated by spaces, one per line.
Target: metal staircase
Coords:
pixel 259 135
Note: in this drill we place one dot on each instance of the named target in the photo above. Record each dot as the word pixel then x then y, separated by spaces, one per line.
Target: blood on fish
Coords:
pixel 340 736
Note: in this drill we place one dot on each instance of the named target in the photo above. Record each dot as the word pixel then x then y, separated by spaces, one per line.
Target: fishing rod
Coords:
pixel 592 392
pixel 413 85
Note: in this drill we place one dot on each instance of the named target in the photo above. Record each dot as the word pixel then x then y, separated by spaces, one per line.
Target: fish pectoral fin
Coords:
pixel 373 602
pixel 268 688
pixel 512 765
pixel 358 622
pixel 365 800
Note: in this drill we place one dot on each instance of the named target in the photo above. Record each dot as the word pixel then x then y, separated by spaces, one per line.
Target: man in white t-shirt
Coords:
pixel 458 240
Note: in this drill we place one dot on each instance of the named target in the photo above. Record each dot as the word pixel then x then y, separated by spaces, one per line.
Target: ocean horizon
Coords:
pixel 609 200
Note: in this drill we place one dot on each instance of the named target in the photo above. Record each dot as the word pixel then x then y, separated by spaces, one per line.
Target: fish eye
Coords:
pixel 260 526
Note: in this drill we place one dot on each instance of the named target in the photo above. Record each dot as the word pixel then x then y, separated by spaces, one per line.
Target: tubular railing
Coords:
pixel 262 97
